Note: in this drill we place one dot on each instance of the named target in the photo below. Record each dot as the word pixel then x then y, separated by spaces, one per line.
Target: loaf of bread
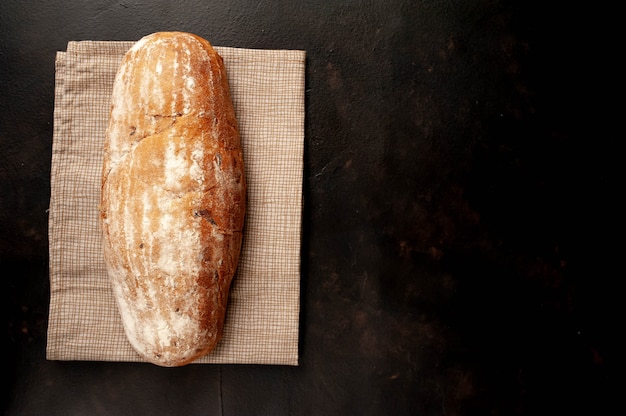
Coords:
pixel 173 196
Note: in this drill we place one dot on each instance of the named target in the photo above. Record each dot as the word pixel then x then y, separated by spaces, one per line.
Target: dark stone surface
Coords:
pixel 461 222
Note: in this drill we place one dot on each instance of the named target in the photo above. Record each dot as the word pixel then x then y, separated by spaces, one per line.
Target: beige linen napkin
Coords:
pixel 267 87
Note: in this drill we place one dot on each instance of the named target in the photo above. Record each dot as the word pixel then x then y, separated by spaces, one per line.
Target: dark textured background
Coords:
pixel 462 225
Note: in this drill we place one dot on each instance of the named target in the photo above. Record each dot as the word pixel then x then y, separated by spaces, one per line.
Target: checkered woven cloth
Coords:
pixel 267 88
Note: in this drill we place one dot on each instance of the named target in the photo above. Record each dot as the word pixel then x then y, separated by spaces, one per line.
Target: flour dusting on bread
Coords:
pixel 173 196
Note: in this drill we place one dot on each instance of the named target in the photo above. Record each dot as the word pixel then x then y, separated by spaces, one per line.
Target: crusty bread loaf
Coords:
pixel 173 196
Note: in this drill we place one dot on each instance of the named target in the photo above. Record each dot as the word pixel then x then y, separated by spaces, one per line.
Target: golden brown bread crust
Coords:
pixel 173 196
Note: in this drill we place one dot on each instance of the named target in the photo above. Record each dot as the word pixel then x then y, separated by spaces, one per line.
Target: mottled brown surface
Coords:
pixel 461 239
